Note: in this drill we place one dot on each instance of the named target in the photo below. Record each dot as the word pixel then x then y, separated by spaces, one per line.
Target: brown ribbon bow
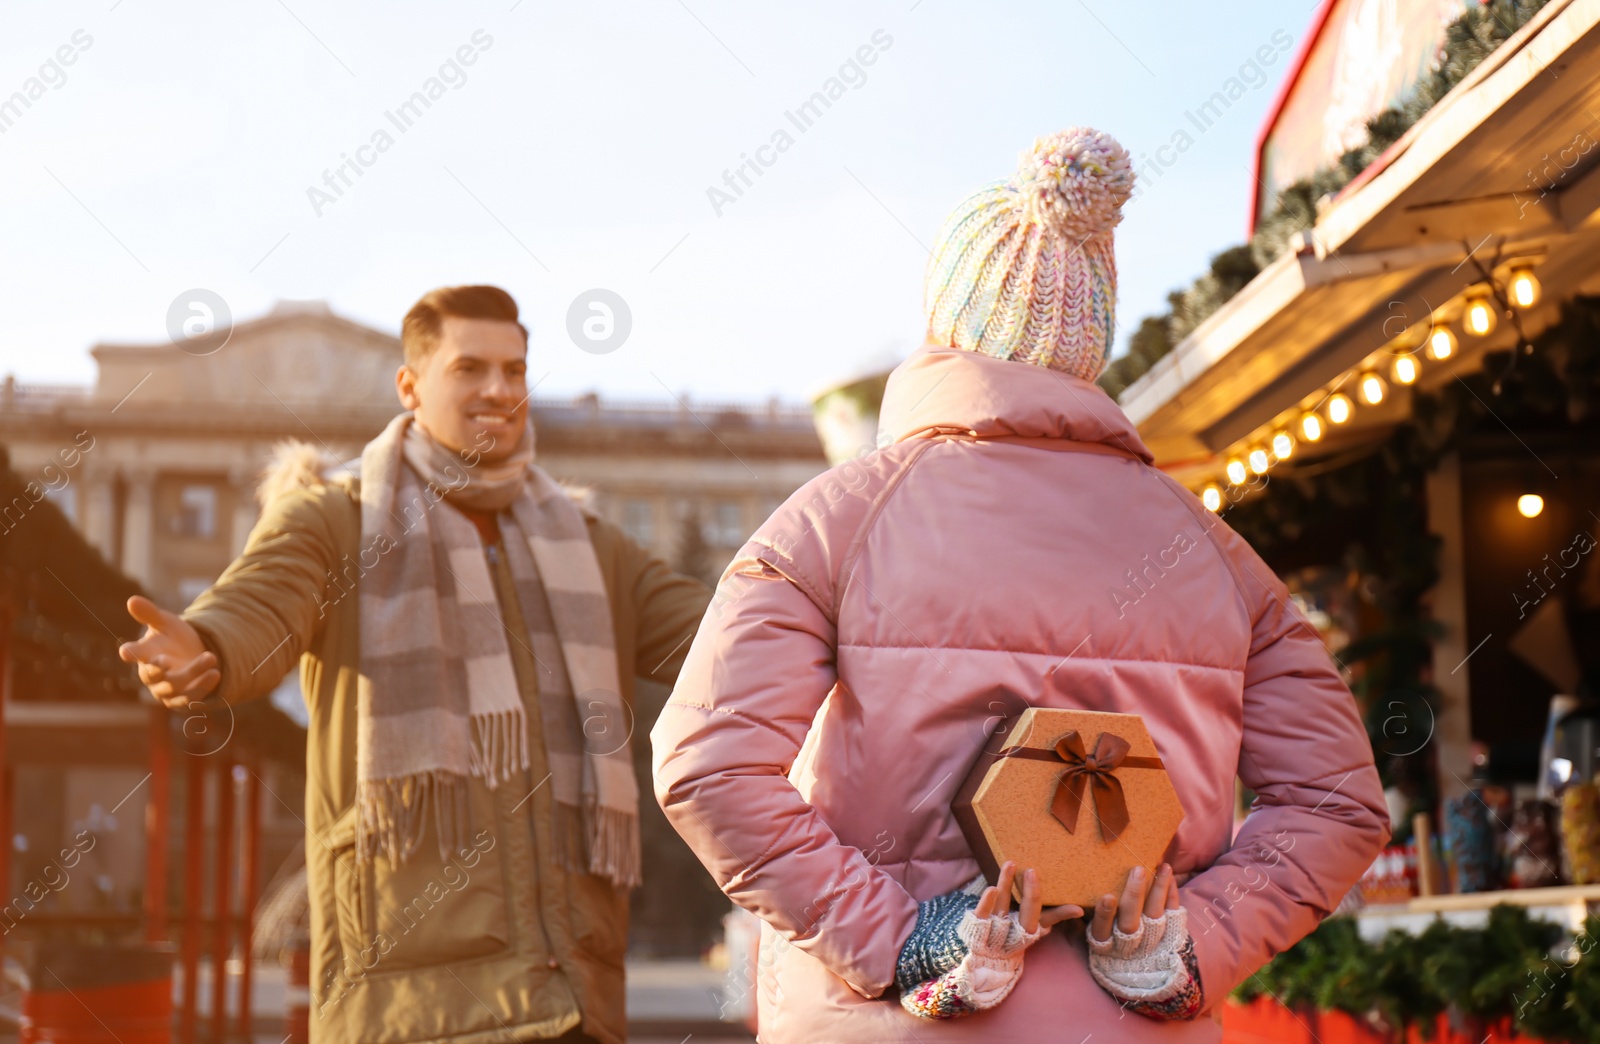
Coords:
pixel 1095 771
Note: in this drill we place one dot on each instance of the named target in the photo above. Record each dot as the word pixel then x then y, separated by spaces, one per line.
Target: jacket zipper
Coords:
pixel 492 552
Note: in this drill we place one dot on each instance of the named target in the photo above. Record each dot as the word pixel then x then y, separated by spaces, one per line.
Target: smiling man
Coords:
pixel 468 639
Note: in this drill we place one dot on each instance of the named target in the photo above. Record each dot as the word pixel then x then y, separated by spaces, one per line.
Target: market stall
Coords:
pixel 106 888
pixel 1397 401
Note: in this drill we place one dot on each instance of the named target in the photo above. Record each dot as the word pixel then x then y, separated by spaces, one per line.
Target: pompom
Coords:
pixel 1074 182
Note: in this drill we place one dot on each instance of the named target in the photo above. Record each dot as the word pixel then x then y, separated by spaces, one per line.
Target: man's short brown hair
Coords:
pixel 420 330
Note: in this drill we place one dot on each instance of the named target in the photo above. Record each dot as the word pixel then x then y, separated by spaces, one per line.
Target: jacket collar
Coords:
pixel 952 389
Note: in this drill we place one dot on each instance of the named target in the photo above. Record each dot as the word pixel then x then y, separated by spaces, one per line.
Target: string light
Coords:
pixel 1441 343
pixel 1523 288
pixel 1479 318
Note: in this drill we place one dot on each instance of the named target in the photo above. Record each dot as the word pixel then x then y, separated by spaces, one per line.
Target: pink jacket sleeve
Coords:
pixel 756 675
pixel 1319 818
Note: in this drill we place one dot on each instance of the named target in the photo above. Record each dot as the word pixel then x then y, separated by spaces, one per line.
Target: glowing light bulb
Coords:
pixel 1236 472
pixel 1524 287
pixel 1282 445
pixel 1441 343
pixel 1259 461
pixel 1211 497
pixel 1530 504
pixel 1310 427
pixel 1479 318
pixel 1340 408
pixel 1372 388
pixel 1405 370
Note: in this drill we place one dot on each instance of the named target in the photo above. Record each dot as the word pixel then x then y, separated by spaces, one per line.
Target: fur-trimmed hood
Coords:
pixel 296 464
pixel 300 465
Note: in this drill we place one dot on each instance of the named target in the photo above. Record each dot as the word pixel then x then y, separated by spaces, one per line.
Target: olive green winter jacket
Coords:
pixel 497 939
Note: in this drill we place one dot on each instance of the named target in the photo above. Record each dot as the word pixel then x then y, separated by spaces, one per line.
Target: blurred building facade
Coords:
pixel 180 435
pixel 157 463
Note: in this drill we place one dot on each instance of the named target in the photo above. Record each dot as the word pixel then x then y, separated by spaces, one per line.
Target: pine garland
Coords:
pixel 1515 967
pixel 1468 41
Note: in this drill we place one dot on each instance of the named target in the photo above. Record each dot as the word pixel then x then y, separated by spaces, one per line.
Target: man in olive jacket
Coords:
pixel 513 931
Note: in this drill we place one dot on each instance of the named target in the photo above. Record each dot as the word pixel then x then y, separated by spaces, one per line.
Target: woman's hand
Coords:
pixel 963 956
pixel 1134 901
pixel 996 899
pixel 1148 962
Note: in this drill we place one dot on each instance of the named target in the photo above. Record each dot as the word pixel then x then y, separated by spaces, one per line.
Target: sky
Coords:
pixel 259 151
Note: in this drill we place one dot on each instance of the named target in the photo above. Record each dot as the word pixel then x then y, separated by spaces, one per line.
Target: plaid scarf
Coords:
pixel 439 698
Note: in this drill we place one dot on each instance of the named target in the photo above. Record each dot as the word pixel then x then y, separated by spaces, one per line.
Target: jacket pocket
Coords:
pixel 430 910
pixel 359 953
pixel 422 912
pixel 599 915
pixel 435 910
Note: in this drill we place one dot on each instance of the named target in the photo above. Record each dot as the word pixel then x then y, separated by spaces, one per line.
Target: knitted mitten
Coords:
pixel 935 944
pixel 956 963
pixel 1153 970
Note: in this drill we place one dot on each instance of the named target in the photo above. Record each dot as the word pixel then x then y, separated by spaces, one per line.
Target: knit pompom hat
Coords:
pixel 1024 268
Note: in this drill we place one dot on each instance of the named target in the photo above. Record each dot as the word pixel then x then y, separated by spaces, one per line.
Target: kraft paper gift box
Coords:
pixel 1080 796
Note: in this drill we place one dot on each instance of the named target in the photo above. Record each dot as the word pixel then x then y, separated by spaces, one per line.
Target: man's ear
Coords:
pixel 405 385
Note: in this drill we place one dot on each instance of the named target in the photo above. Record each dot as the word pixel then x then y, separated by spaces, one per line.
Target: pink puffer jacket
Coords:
pixel 867 638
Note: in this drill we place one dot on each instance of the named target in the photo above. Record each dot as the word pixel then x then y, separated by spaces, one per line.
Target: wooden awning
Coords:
pixel 1507 165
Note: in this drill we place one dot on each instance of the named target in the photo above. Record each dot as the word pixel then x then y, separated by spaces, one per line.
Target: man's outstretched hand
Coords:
pixel 173 662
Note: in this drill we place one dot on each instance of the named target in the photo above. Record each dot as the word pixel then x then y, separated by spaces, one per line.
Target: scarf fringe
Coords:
pixel 614 845
pixel 391 815
pixel 599 832
pixel 499 746
pixel 599 841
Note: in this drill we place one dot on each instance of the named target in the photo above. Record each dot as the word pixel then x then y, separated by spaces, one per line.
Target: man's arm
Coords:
pixel 667 606
pixel 269 604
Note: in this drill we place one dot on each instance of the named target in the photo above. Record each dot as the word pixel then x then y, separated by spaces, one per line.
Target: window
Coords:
pixel 197 512
pixel 638 520
pixel 65 498
pixel 100 813
pixel 289 698
pixel 192 587
pixel 726 527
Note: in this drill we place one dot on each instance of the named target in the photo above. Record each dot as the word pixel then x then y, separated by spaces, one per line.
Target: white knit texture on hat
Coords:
pixel 1024 269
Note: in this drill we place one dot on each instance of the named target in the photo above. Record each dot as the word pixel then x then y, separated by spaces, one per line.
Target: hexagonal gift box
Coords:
pixel 1080 796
